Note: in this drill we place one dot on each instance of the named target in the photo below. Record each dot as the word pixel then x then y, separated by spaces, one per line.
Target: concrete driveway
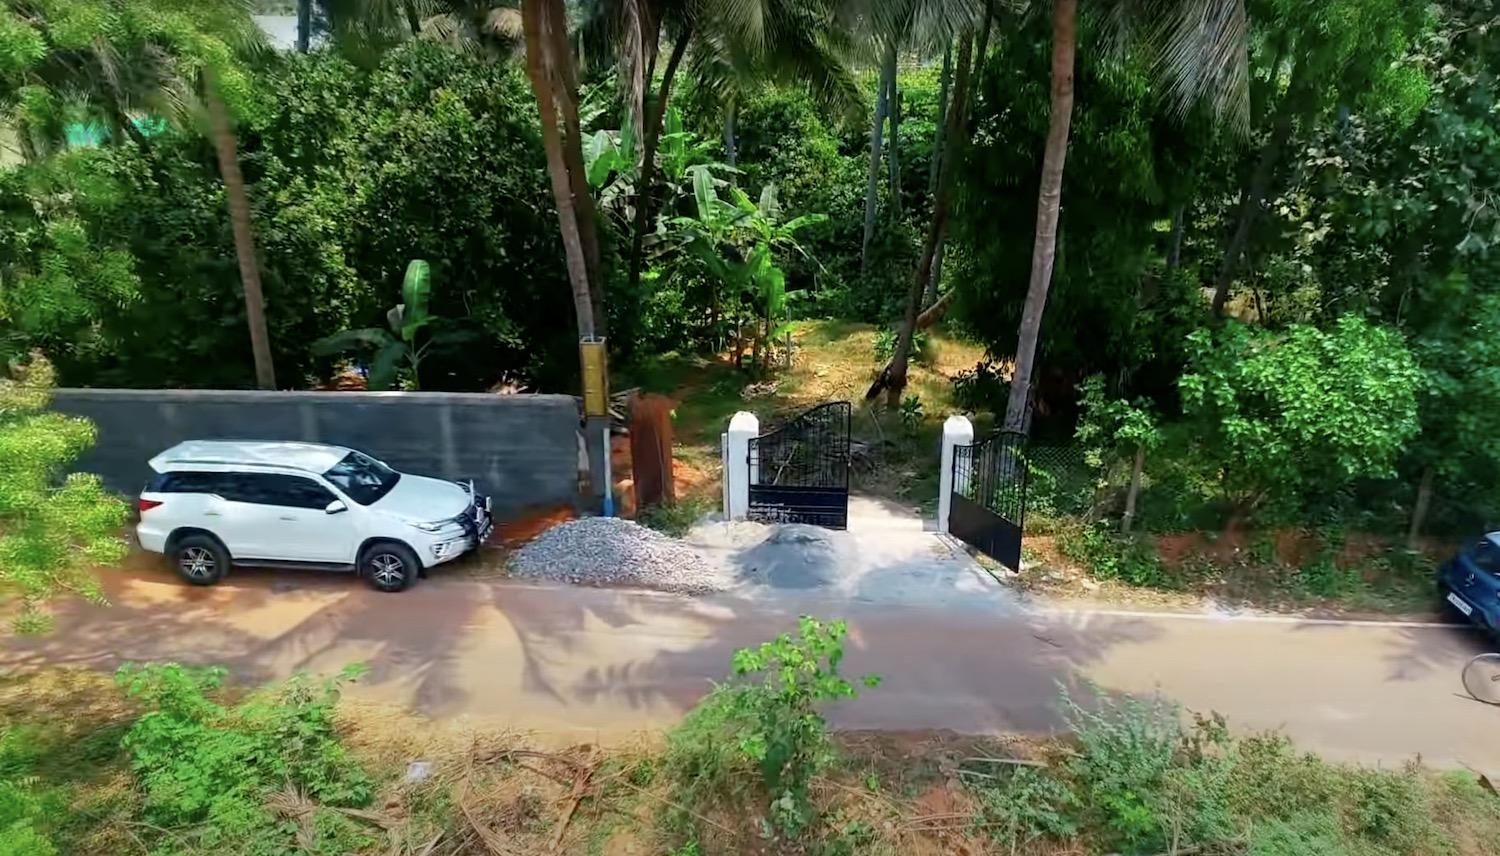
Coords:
pixel 597 664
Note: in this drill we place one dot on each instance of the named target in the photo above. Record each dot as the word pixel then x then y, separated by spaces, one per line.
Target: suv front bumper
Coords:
pixel 476 523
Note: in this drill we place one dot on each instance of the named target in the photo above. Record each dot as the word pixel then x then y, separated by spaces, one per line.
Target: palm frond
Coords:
pixel 1202 53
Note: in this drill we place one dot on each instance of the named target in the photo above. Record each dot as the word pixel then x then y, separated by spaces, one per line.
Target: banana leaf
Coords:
pixel 416 289
pixel 349 340
pixel 382 375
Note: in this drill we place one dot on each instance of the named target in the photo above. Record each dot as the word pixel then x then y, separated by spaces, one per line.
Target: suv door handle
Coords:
pixel 211 514
pixel 286 517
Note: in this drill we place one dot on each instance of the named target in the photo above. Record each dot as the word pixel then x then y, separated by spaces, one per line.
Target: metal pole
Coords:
pixel 609 486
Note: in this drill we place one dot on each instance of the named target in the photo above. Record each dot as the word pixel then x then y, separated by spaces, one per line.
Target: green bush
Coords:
pixel 981 389
pixel 208 770
pixel 1107 555
pixel 762 733
pixel 1282 414
pixel 885 345
pixel 54 525
pixel 1027 806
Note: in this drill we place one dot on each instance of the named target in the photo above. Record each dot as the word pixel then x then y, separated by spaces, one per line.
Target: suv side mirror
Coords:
pixel 336 507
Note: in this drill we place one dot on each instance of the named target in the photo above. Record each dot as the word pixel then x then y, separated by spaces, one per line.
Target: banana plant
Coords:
pixel 736 240
pixel 405 341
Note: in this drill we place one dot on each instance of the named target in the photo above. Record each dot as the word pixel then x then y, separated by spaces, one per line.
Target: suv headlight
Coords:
pixel 434 526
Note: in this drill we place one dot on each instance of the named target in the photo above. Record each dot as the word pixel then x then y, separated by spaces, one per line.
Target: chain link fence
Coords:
pixel 1060 482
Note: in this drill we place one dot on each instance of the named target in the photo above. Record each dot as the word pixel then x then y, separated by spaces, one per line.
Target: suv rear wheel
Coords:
pixel 389 566
pixel 200 560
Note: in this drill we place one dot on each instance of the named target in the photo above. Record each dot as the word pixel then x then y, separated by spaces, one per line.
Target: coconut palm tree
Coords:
pixel 1202 53
pixel 174 64
pixel 729 46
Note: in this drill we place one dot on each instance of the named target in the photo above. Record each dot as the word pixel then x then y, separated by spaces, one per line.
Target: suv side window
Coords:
pixel 299 492
pixel 279 490
pixel 186 481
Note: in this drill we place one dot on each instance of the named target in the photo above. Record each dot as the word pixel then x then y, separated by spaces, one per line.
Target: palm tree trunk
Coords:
pixel 942 121
pixel 244 238
pixel 643 191
pixel 893 378
pixel 731 141
pixel 412 21
pixel 872 183
pixel 1048 205
pixel 559 55
pixel 543 84
pixel 304 25
pixel 893 110
pixel 549 67
pixel 1419 513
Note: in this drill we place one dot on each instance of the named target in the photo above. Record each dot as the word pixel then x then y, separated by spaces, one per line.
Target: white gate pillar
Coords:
pixel 957 431
pixel 743 427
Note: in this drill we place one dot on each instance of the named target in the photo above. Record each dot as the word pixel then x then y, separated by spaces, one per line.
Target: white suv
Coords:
pixel 213 503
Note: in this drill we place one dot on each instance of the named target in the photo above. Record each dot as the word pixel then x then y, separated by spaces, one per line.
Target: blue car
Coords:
pixel 1470 583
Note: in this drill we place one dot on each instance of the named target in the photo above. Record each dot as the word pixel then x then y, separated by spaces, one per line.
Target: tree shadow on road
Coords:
pixel 262 625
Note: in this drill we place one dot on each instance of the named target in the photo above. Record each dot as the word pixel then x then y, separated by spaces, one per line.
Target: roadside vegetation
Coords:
pixel 169 759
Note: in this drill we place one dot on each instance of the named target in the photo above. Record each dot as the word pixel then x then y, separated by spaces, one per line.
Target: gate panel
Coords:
pixel 799 473
pixel 988 507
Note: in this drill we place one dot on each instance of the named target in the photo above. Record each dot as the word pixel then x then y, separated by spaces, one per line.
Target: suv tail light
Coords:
pixel 146 504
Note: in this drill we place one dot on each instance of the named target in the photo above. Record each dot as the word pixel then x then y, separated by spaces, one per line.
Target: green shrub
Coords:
pixel 1026 806
pixel 1126 747
pixel 980 389
pixel 675 519
pixel 885 345
pixel 1107 555
pixel 209 769
pixel 764 727
pixel 1298 835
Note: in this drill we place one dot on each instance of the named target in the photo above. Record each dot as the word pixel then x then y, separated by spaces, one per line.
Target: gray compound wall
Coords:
pixel 521 449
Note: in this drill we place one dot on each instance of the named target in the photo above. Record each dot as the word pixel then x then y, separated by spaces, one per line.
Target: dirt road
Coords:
pixel 602 663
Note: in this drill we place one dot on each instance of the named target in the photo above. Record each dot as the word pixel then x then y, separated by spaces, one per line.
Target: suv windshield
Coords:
pixel 364 479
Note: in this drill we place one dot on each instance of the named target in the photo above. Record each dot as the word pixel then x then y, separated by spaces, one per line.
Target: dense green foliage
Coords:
pixel 1350 226
pixel 54 525
pixel 1307 409
pixel 211 772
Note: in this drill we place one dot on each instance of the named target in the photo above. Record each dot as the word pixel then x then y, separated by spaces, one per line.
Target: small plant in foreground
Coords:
pixel 675 519
pixel 911 413
pixel 767 717
pixel 212 770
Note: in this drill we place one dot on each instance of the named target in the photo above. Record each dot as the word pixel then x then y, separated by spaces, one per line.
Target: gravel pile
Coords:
pixel 609 551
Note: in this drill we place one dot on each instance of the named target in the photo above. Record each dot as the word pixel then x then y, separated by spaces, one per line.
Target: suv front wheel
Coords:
pixel 200 560
pixel 388 566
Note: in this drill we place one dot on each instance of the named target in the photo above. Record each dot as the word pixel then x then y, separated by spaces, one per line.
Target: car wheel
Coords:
pixel 200 560
pixel 390 566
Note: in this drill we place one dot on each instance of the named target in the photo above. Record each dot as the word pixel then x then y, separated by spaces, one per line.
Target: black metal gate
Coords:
pixel 988 505
pixel 799 473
